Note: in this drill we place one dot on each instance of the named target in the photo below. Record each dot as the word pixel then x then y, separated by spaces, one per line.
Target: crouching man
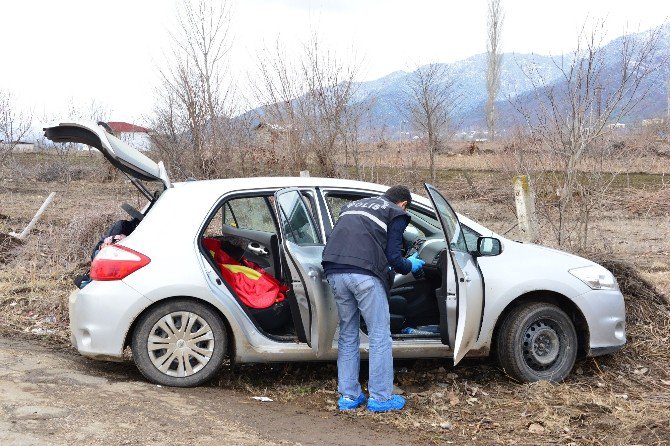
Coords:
pixel 359 259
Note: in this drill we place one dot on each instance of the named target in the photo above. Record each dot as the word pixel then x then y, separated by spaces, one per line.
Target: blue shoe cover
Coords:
pixel 396 402
pixel 345 403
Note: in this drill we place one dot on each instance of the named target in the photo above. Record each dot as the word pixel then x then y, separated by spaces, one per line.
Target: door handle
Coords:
pixel 257 249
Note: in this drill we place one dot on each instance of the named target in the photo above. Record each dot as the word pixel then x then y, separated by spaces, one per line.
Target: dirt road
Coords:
pixel 55 397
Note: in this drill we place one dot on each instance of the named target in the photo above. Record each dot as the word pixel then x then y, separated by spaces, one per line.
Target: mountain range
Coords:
pixel 390 93
pixel 387 96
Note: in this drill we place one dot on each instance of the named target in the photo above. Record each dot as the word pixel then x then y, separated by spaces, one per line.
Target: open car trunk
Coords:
pixel 125 158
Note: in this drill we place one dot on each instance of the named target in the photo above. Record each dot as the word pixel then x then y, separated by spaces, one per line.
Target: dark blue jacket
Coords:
pixel 360 239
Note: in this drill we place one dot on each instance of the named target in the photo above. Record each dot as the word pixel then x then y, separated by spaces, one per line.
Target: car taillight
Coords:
pixel 116 262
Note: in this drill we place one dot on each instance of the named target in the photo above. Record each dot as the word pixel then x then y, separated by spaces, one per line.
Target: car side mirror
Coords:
pixel 488 246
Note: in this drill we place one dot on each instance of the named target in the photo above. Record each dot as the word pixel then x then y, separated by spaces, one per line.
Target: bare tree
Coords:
pixel 14 125
pixel 352 125
pixel 193 102
pixel 493 62
pixel 309 100
pixel 330 89
pixel 204 41
pixel 278 87
pixel 61 166
pixel 572 121
pixel 431 106
pixel 97 111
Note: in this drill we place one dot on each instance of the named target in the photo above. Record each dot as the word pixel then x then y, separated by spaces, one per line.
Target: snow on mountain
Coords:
pixel 386 98
pixel 390 94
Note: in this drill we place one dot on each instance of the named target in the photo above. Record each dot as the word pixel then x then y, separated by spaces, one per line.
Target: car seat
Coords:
pixel 398 310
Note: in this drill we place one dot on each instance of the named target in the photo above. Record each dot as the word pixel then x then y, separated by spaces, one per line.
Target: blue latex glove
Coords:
pixel 417 263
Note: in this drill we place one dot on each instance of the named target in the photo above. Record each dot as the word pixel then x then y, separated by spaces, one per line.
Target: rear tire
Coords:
pixel 537 342
pixel 180 343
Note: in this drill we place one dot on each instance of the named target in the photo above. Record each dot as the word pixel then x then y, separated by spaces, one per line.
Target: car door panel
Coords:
pixel 471 304
pixel 312 294
pixel 260 247
pixel 446 295
pixel 303 250
pixel 461 297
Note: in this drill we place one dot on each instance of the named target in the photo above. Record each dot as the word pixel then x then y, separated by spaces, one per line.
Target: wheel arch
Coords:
pixel 230 348
pixel 550 297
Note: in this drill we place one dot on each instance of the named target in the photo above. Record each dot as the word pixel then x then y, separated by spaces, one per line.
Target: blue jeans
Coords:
pixel 356 295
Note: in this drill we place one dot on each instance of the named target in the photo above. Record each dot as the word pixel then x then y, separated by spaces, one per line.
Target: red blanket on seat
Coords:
pixel 261 292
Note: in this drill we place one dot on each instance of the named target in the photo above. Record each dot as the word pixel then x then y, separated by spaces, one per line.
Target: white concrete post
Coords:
pixel 37 216
pixel 524 198
pixel 304 173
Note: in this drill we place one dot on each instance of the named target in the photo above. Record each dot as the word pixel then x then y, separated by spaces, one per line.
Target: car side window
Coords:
pixel 426 224
pixel 296 219
pixel 471 237
pixel 215 226
pixel 335 203
pixel 249 213
pixel 413 228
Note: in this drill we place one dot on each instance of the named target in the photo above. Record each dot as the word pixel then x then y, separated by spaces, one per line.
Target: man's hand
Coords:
pixel 417 263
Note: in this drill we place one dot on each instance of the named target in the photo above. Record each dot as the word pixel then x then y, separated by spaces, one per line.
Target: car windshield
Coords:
pixel 429 224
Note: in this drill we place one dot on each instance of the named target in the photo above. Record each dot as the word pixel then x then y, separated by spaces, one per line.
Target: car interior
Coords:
pixel 245 226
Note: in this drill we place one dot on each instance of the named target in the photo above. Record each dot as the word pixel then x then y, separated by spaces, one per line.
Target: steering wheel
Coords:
pixel 415 246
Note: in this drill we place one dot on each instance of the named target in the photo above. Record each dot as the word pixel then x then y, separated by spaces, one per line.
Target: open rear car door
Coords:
pixel 460 298
pixel 121 155
pixel 303 248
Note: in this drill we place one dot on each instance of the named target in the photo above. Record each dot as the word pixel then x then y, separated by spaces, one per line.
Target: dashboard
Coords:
pixel 428 249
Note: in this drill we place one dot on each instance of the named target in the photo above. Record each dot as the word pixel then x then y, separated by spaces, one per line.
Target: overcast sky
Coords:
pixel 58 52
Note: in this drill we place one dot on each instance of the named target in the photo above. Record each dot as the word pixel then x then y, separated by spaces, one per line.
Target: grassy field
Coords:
pixel 619 399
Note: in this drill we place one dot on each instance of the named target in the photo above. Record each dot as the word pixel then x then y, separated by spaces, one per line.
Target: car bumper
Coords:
pixel 605 314
pixel 100 316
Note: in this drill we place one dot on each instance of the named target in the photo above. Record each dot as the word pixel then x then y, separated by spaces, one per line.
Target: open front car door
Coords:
pixel 461 296
pixel 303 248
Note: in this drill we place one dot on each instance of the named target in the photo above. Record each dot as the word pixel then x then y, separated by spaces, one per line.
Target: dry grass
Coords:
pixel 644 202
pixel 489 156
pixel 38 274
pixel 619 399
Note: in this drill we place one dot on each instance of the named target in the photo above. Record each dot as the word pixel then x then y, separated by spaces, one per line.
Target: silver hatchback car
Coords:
pixel 161 291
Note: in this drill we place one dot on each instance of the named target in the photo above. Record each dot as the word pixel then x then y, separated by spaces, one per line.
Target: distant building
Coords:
pixel 652 121
pixel 134 135
pixel 266 134
pixel 473 135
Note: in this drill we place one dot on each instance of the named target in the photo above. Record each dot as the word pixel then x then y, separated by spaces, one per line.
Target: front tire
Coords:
pixel 180 343
pixel 537 342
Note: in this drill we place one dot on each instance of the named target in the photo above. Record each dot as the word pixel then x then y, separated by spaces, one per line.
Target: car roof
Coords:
pixel 208 188
pixel 280 182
